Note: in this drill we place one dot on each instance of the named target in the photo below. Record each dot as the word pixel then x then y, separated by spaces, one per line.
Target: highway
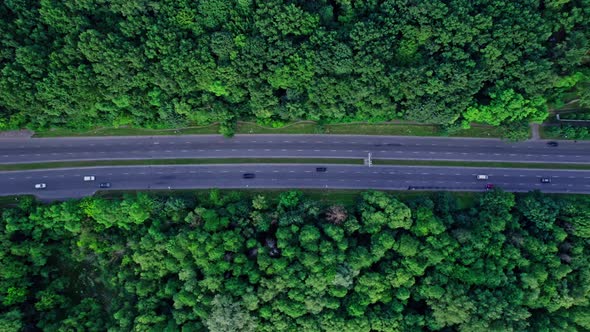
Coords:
pixel 68 183
pixel 28 150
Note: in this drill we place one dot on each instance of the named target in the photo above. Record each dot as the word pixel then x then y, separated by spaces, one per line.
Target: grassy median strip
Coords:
pixel 156 162
pixel 483 164
pixel 323 161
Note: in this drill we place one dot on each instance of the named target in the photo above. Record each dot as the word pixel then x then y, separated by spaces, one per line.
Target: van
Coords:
pixel 482 177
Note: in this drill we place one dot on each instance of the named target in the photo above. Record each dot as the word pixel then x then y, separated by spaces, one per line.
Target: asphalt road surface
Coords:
pixel 27 150
pixel 68 183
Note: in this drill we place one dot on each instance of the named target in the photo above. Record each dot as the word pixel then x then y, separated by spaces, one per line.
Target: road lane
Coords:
pixel 66 183
pixel 26 150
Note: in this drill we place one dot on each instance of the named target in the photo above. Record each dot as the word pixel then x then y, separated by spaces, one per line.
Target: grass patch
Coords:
pixel 485 164
pixel 546 134
pixel 569 100
pixel 301 127
pixel 212 129
pixel 479 131
pixel 154 162
pixel 383 129
pixel 402 129
pixel 12 200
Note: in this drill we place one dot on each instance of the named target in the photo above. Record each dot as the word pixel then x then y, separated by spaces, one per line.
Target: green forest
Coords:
pixel 227 261
pixel 173 63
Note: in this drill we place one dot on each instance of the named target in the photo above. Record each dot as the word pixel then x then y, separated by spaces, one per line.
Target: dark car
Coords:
pixel 320 169
pixel 105 185
pixel 249 175
pixel 545 180
pixel 489 186
pixel 552 143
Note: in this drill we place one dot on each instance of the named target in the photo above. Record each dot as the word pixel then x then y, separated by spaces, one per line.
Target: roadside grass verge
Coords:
pixel 345 197
pixel 61 132
pixel 301 127
pixel 479 131
pixel 383 129
pixel 397 128
pixel 483 164
pixel 547 134
pixel 12 200
pixel 156 162
pixel 388 129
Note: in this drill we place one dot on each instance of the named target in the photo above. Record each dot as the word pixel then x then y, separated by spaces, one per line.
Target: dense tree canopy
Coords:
pixel 226 262
pixel 178 62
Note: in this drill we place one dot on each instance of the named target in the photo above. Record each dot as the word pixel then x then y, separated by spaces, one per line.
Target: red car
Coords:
pixel 489 186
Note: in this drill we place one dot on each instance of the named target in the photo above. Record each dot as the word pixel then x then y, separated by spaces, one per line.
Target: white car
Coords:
pixel 482 177
pixel 89 178
pixel 40 186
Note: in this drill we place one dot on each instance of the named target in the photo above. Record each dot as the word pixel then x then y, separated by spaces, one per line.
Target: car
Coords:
pixel 89 178
pixel 105 185
pixel 552 143
pixel 411 188
pixel 249 175
pixel 489 186
pixel 321 169
pixel 40 186
pixel 482 177
pixel 545 180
